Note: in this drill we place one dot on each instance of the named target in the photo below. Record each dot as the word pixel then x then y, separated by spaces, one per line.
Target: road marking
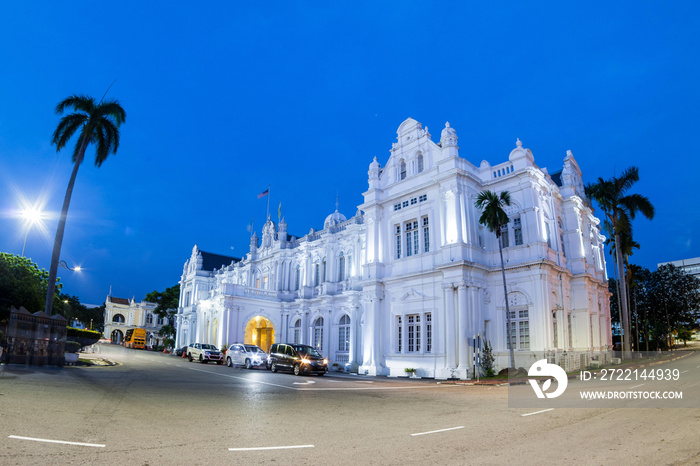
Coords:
pixel 316 389
pixel 436 431
pixel 271 448
pixel 683 372
pixel 537 412
pixel 636 386
pixel 303 383
pixel 56 441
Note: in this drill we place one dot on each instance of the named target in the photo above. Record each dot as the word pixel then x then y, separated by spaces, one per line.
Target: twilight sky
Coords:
pixel 226 98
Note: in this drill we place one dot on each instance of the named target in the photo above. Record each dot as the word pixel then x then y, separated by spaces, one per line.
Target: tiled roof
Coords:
pixel 118 300
pixel 216 261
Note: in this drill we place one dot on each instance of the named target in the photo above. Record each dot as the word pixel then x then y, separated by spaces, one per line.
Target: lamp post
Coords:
pixel 63 264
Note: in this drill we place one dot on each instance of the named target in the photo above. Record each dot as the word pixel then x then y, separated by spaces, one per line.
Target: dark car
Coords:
pixel 180 351
pixel 300 359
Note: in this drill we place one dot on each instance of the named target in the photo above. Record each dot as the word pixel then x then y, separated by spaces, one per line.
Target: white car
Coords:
pixel 204 352
pixel 249 356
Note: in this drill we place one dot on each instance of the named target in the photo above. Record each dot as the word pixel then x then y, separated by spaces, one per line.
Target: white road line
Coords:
pixel 56 441
pixel 436 431
pixel 317 389
pixel 537 412
pixel 636 386
pixel 270 448
pixel 683 372
pixel 308 382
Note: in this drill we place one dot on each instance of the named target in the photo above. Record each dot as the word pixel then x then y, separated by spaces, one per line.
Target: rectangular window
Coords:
pixel 426 235
pixel 411 229
pixel 398 334
pixel 520 330
pixel 317 274
pixel 398 241
pixel 504 236
pixel 428 332
pixel 297 335
pixel 411 333
pixel 344 338
pixel 518 231
pixel 323 270
pixel 404 204
pixel 422 197
pixel 397 207
pixel 318 338
pixel 414 201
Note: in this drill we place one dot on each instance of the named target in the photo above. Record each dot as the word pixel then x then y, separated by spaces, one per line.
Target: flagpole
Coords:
pixel 268 202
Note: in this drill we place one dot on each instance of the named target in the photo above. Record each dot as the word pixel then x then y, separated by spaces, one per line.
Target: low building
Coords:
pixel 412 280
pixel 123 314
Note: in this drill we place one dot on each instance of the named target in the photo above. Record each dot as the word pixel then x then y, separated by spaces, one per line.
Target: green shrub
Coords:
pixel 72 347
pixel 83 337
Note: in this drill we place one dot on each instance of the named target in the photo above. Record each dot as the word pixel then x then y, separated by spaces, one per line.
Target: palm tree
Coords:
pixel 494 217
pixel 95 123
pixel 619 209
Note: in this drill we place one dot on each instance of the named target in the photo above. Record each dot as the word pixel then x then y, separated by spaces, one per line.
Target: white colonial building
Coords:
pixel 412 279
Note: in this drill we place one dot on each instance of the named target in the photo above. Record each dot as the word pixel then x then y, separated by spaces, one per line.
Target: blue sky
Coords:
pixel 227 98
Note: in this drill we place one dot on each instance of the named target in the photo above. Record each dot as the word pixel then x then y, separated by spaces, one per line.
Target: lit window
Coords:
pixel 318 334
pixel 344 334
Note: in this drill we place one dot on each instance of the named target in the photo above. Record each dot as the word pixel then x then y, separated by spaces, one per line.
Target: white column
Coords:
pixel 462 336
pixel 450 331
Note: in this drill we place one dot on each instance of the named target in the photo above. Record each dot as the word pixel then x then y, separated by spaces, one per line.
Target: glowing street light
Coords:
pixel 63 264
pixel 32 215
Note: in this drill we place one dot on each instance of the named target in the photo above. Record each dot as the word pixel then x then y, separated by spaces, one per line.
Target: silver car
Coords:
pixel 249 356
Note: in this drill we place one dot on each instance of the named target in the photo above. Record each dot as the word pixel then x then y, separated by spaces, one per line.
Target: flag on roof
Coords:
pixel 264 193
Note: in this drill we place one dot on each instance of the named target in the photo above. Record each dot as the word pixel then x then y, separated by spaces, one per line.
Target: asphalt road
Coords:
pixel 157 409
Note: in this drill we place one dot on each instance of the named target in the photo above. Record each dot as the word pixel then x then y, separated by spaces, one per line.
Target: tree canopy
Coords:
pixel 167 301
pixel 22 283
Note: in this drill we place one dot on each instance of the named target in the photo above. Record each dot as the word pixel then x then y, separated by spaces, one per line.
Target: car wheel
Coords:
pixel 201 359
pixel 321 374
pixel 273 367
pixel 247 364
pixel 219 362
pixel 297 369
pixel 228 362
pixel 189 356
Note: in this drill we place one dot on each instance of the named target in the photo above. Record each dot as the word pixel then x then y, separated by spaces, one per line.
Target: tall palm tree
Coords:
pixel 96 123
pixel 619 209
pixel 494 217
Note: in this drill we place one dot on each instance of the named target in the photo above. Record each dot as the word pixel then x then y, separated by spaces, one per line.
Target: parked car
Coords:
pixel 179 351
pixel 300 359
pixel 249 356
pixel 204 352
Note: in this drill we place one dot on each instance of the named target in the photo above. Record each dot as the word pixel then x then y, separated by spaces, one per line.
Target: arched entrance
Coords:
pixel 117 337
pixel 259 331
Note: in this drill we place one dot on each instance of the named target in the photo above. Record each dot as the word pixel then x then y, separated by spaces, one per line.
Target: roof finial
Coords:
pixel 336 200
pixel 518 143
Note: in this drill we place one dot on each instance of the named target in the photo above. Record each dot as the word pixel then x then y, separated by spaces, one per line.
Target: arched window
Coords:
pixel 118 318
pixel 341 268
pixel 402 170
pixel 318 334
pixel 297 331
pixel 420 163
pixel 344 334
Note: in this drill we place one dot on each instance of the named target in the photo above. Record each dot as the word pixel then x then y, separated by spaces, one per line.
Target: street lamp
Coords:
pixel 63 264
pixel 31 215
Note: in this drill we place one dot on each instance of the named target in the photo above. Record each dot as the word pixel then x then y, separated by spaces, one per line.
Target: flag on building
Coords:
pixel 279 212
pixel 264 193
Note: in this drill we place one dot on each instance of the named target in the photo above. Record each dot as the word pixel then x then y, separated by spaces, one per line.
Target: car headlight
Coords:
pixel 325 361
pixel 305 361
